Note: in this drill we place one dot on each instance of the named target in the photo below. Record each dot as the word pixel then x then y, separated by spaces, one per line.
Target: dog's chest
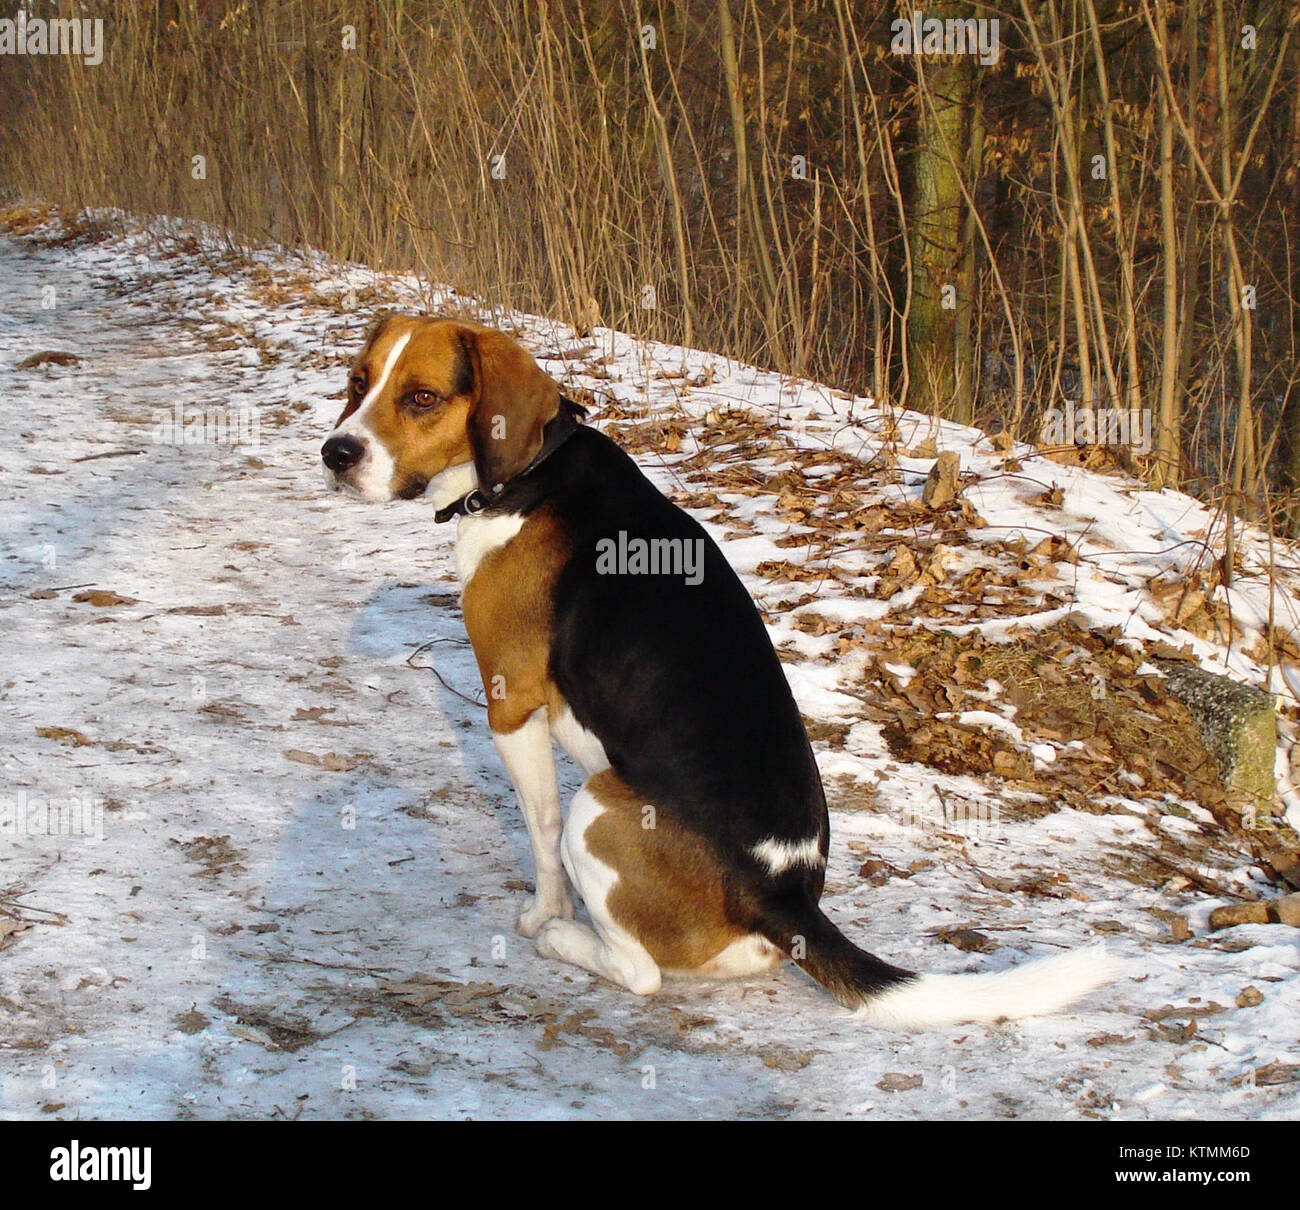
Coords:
pixel 508 567
pixel 478 537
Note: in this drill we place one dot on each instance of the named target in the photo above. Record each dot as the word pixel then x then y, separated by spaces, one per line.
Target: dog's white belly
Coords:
pixel 579 743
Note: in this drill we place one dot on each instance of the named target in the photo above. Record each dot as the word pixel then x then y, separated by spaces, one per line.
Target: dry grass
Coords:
pixel 631 163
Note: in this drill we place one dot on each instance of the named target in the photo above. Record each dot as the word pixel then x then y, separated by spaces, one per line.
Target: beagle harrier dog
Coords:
pixel 606 619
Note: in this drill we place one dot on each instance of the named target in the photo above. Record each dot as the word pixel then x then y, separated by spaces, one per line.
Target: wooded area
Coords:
pixel 1089 205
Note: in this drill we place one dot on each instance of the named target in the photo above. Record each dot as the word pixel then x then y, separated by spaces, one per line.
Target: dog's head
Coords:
pixel 438 405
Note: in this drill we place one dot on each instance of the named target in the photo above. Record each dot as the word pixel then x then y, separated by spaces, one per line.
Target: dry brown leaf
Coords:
pixel 101 598
pixel 77 738
pixel 329 760
pixel 897 1081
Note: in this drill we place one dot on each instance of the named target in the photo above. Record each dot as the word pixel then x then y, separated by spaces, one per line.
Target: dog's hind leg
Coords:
pixel 610 949
pixel 655 890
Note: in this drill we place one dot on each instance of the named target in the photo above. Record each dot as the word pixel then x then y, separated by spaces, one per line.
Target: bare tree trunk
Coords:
pixel 1169 428
pixel 320 232
pixel 944 87
pixel 967 351
pixel 1288 452
pixel 748 219
pixel 670 176
pixel 1123 245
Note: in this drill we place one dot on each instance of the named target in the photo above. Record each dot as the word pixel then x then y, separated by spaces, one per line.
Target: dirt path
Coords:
pixel 303 898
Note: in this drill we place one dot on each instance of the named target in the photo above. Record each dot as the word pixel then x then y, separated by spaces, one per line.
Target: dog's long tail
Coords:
pixel 893 998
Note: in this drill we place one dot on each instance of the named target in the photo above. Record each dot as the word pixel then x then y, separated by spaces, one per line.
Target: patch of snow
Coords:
pixel 297 815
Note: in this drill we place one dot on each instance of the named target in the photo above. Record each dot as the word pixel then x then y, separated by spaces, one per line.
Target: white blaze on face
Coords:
pixel 373 475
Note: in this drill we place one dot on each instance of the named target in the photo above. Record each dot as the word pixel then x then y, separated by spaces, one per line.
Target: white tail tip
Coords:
pixel 1032 989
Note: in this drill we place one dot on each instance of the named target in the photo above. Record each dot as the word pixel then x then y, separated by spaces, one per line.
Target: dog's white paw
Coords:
pixel 546 937
pixel 537 911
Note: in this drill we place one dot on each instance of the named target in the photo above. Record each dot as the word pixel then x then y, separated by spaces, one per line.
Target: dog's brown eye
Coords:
pixel 358 386
pixel 424 399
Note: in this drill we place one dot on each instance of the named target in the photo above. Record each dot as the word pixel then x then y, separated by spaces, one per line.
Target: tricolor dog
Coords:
pixel 606 620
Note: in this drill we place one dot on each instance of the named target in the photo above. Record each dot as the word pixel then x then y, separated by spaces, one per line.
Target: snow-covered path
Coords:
pixel 302 903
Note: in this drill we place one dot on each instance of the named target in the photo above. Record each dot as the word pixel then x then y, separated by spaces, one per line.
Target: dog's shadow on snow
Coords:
pixel 425 831
pixel 432 871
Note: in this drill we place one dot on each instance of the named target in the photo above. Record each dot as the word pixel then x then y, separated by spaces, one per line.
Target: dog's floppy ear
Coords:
pixel 513 401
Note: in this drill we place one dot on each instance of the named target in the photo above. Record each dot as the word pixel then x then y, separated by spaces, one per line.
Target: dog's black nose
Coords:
pixel 341 453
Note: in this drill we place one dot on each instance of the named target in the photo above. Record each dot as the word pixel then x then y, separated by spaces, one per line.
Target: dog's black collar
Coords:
pixel 467 506
pixel 558 430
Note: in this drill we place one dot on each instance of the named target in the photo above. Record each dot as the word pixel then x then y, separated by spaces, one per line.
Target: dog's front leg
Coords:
pixel 530 761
